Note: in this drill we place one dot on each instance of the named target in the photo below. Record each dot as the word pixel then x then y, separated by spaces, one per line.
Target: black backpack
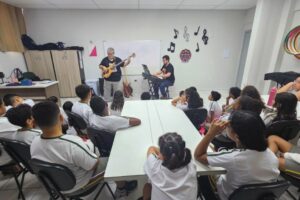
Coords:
pixel 28 42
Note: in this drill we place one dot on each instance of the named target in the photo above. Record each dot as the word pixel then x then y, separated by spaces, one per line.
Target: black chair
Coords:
pixel 57 179
pixel 286 129
pixel 20 153
pixel 77 122
pixel 197 116
pixel 222 142
pixel 295 181
pixel 103 140
pixel 264 191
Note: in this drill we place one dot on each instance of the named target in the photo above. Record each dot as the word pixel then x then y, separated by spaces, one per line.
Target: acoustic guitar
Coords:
pixel 112 66
pixel 127 89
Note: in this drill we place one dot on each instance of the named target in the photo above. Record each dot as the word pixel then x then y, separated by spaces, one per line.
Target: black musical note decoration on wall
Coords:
pixel 172 47
pixel 196 33
pixel 198 49
pixel 176 33
pixel 205 37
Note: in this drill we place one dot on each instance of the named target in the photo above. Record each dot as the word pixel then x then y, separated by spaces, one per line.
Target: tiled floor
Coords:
pixel 33 190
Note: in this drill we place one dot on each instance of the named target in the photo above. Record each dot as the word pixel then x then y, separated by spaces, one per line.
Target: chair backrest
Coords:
pixel 292 179
pixel 287 129
pixel 77 122
pixel 197 116
pixel 18 151
pixel 262 191
pixel 55 177
pixel 103 140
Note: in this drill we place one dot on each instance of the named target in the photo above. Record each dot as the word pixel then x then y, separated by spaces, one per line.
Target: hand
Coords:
pixel 104 70
pixel 217 126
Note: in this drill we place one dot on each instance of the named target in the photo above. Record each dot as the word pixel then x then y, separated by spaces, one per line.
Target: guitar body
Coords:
pixel 109 71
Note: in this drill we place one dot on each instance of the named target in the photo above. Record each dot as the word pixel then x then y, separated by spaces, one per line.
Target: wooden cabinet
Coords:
pixel 61 65
pixel 66 65
pixel 12 26
pixel 40 63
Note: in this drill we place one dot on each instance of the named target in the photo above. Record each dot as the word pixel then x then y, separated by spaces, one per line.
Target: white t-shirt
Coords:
pixel 179 184
pixel 243 167
pixel 67 150
pixel 29 102
pixel 82 109
pixel 216 108
pixel 26 136
pixel 109 123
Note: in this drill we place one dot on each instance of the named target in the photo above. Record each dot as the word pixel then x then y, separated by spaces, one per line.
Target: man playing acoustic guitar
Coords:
pixel 111 69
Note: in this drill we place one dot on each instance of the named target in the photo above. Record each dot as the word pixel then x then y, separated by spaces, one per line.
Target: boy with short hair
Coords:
pixel 22 116
pixel 214 109
pixel 13 100
pixel 102 120
pixel 82 107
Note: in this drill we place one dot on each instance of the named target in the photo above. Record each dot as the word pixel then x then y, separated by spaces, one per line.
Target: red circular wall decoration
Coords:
pixel 185 55
pixel 292 42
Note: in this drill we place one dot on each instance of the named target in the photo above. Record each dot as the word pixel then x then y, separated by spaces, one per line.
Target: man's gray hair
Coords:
pixel 110 49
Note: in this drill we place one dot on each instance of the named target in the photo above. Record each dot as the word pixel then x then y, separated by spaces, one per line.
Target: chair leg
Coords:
pixel 22 181
pixel 19 187
pixel 111 192
pixel 291 195
pixel 100 190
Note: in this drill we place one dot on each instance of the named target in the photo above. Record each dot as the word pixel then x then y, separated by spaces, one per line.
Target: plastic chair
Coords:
pixel 286 129
pixel 57 178
pixel 264 191
pixel 20 153
pixel 77 122
pixel 197 116
pixel 103 140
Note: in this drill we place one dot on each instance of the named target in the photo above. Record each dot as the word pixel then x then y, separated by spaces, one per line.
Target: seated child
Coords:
pixel 13 100
pixel 214 109
pixel 285 108
pixel 82 107
pixel 292 87
pixel 21 116
pixel 54 99
pixel 117 103
pixel 101 119
pixel 171 171
pixel 145 96
pixel 251 91
pixel 234 94
pixel 67 106
pixel 289 160
pixel 251 163
pixel 180 101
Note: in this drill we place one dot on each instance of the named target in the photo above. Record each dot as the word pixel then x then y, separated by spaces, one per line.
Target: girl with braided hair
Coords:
pixel 171 171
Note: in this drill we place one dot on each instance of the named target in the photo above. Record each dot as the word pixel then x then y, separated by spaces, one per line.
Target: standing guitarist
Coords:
pixel 113 81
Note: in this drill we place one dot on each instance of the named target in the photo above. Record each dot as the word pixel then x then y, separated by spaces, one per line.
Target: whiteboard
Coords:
pixel 147 52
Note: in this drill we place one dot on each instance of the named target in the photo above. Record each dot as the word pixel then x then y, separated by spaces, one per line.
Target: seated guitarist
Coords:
pixel 166 73
pixel 113 81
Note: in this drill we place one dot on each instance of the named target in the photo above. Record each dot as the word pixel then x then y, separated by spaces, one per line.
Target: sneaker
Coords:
pixel 119 193
pixel 130 185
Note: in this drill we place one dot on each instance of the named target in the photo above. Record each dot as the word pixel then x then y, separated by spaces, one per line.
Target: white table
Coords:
pixel 130 146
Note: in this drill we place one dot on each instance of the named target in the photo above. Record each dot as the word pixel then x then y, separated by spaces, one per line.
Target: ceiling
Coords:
pixel 135 4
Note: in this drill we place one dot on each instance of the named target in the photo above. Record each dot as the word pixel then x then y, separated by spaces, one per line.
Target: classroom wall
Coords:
pixel 11 60
pixel 289 62
pixel 214 67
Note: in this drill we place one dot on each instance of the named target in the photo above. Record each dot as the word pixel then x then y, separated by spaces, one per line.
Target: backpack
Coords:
pixel 28 42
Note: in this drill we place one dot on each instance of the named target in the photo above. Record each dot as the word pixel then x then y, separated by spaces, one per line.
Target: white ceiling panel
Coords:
pixel 119 6
pixel 157 6
pixel 203 2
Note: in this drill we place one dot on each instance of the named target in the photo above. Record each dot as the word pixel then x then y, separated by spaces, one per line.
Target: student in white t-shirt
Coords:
pixel 251 163
pixel 171 171
pixel 100 119
pixel 117 103
pixel 189 99
pixel 22 116
pixel 82 107
pixel 214 109
pixel 13 100
pixel 234 94
pixel 68 150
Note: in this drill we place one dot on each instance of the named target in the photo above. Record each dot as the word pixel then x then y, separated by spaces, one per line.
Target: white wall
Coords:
pixel 11 60
pixel 289 62
pixel 270 21
pixel 207 69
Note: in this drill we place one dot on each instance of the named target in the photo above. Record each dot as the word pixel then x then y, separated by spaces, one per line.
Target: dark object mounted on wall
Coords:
pixel 196 33
pixel 205 37
pixel 281 78
pixel 186 35
pixel 198 49
pixel 172 47
pixel 176 33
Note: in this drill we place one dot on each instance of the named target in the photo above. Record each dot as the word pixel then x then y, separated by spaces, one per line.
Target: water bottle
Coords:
pixel 272 96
